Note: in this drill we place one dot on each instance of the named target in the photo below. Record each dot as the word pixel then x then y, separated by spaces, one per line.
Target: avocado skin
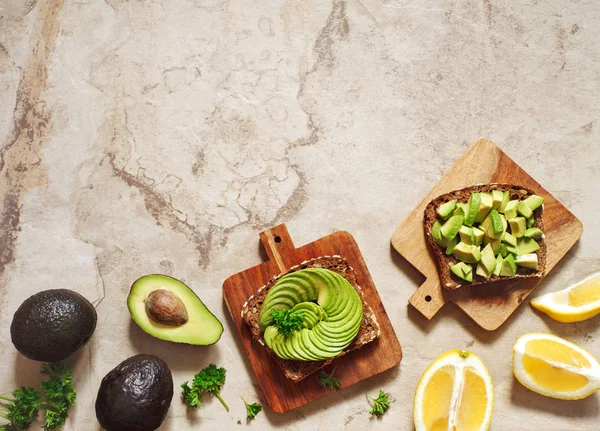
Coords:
pixel 52 325
pixel 135 395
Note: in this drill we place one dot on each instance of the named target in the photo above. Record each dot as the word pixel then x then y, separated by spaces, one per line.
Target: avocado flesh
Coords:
pixel 524 210
pixel 534 202
pixel 436 234
pixel 445 210
pixel 509 239
pixel 497 198
pixel 458 270
pixel 472 208
pixel 202 327
pixel 488 260
pixel 509 268
pixel 482 272
pixel 333 314
pixel 461 209
pixel 467 253
pixel 451 227
pixel 526 246
pixel 534 233
pixel 528 261
pixel 485 206
pixel 451 246
pixel 517 226
pixel 467 235
pixel 505 200
pixel 498 267
pixel 510 211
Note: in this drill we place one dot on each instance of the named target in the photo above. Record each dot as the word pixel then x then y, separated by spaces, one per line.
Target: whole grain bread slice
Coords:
pixel 299 370
pixel 444 262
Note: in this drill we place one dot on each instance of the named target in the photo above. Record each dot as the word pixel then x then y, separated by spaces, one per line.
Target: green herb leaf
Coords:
pixel 380 404
pixel 328 381
pixel 190 395
pixel 60 394
pixel 288 321
pixel 207 381
pixel 252 409
pixel 21 410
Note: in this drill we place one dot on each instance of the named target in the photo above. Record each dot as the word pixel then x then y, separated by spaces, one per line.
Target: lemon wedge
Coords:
pixel 573 304
pixel 455 393
pixel 554 367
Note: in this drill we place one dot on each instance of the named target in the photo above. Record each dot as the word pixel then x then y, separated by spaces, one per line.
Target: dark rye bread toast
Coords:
pixel 444 262
pixel 299 370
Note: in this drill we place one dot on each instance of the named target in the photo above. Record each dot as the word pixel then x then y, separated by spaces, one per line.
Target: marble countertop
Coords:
pixel 163 136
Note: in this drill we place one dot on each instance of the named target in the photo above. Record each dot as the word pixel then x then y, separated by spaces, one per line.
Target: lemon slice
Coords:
pixel 455 393
pixel 573 304
pixel 554 367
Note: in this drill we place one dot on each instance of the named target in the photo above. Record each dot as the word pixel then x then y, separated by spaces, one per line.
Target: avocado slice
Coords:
pixel 461 271
pixel 509 268
pixel 482 272
pixel 485 206
pixel 526 246
pixel 505 199
pixel 534 233
pixel 495 243
pixel 472 208
pixel 517 226
pixel 478 234
pixel 445 210
pixel 467 253
pixel 436 234
pixel 530 222
pixel 488 260
pixel 52 325
pixel 503 250
pixel 534 202
pixel 498 267
pixel 461 209
pixel 509 239
pixel 512 250
pixel 488 226
pixel 528 261
pixel 497 223
pixel 467 235
pixel 135 395
pixel 451 246
pixel 497 198
pixel 524 210
pixel 179 315
pixel 510 211
pixel 451 227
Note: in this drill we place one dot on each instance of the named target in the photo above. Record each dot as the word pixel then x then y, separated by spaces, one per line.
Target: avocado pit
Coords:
pixel 163 306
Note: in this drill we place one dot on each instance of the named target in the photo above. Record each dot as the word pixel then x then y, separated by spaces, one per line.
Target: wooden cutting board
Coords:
pixel 489 305
pixel 280 393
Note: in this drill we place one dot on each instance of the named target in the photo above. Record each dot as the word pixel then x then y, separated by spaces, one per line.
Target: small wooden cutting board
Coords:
pixel 280 393
pixel 488 305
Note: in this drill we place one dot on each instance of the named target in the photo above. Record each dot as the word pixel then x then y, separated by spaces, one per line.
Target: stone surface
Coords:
pixel 162 136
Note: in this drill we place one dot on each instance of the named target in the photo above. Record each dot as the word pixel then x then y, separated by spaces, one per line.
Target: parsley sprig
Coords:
pixel 252 409
pixel 328 381
pixel 21 410
pixel 288 321
pixel 380 404
pixel 207 381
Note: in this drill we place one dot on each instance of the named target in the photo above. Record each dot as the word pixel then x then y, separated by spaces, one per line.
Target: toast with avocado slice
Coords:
pixel 513 243
pixel 307 352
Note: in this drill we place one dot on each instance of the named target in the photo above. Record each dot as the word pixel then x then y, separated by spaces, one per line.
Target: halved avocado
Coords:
pixel 167 309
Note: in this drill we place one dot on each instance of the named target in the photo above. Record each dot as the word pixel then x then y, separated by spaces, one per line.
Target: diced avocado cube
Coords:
pixel 503 250
pixel 478 235
pixel 512 250
pixel 497 225
pixel 517 226
pixel 509 267
pixel 530 222
pixel 488 228
pixel 451 245
pixel 526 246
pixel 498 267
pixel 466 235
pixel 497 197
pixel 534 202
pixel 472 208
pixel 509 239
pixel 436 234
pixel 533 232
pixel 467 269
pixel 505 199
pixel 484 207
pixel 482 272
pixel 467 253
pixel 510 211
pixel 524 210
pixel 487 258
pixel 528 261
pixel 461 209
pixel 457 270
pixel 445 210
pixel 495 243
pixel 451 227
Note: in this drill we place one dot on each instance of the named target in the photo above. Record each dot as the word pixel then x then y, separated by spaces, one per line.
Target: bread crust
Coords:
pixel 444 262
pixel 298 370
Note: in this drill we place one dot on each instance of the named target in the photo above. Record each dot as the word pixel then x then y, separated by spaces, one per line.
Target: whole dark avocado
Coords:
pixel 135 395
pixel 52 325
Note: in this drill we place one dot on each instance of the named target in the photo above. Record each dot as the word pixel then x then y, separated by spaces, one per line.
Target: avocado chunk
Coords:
pixel 524 210
pixel 503 250
pixel 530 222
pixel 526 246
pixel 512 250
pixel 497 222
pixel 528 261
pixel 534 202
pixel 495 243
pixel 509 268
pixel 472 208
pixel 485 206
pixel 167 309
pixel 478 234
pixel 461 209
pixel 498 267
pixel 509 239
pixel 462 271
pixel 534 233
pixel 488 260
pixel 517 226
pixel 467 253
pixel 510 211
pixel 135 395
pixel 445 210
pixel 52 325
pixel 451 246
pixel 436 234
pixel 467 235
pixel 505 199
pixel 482 272
pixel 451 227
pixel 488 225
pixel 497 198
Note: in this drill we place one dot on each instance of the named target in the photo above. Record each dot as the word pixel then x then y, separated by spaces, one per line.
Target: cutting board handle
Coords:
pixel 428 298
pixel 279 246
